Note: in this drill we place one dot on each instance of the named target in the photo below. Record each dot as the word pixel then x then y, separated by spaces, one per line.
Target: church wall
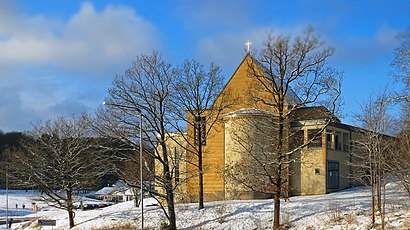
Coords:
pixel 244 141
pixel 214 151
pixel 177 156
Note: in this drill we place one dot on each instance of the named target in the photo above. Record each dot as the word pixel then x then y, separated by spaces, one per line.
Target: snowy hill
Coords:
pixel 348 209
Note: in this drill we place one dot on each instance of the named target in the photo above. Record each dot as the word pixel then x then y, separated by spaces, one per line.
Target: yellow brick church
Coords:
pixel 321 167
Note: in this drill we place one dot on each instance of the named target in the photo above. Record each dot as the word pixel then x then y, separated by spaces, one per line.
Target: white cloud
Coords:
pixel 88 42
pixel 51 67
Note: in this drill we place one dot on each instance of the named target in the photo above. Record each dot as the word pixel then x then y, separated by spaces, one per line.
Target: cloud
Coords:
pixel 51 67
pixel 91 41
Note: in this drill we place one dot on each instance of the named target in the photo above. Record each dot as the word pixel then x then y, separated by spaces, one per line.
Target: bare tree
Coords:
pixel 399 160
pixel 195 100
pixel 144 91
pixel 402 58
pixel 292 73
pixel 59 158
pixel 373 148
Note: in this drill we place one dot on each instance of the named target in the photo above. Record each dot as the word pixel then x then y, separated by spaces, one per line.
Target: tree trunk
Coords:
pixel 373 204
pixel 70 210
pixel 276 213
pixel 168 188
pixel 201 178
pixel 384 207
pixel 378 184
pixel 200 168
pixel 276 219
pixel 171 205
pixel 71 216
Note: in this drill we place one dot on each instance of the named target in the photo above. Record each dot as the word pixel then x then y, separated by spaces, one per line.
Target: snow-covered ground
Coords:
pixel 348 209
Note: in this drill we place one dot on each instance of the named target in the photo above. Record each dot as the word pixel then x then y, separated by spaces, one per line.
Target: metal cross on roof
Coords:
pixel 248 44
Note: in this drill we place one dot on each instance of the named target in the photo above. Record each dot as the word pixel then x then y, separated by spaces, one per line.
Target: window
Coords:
pixel 338 141
pixel 329 141
pixel 346 142
pixel 332 174
pixel 317 138
pixel 297 139
pixel 177 157
pixel 200 130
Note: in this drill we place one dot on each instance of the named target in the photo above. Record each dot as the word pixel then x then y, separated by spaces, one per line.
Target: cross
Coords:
pixel 248 44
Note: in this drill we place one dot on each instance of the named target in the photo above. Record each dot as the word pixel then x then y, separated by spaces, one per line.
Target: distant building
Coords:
pixel 118 192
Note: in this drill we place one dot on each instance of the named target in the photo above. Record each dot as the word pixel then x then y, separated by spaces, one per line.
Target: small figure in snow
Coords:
pixel 17 206
pixel 23 206
pixel 10 222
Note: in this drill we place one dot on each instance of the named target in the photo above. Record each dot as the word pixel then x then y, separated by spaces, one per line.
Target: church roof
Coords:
pixel 313 113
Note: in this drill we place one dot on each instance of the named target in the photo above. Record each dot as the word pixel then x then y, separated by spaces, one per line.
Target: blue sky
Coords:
pixel 59 57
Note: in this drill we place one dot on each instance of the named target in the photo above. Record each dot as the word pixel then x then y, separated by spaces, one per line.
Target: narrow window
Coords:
pixel 346 141
pixel 317 138
pixel 338 143
pixel 329 141
pixel 177 157
pixel 297 139
pixel 200 130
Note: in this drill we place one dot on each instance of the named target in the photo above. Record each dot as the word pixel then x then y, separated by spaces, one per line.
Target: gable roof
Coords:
pixel 106 191
pixel 291 96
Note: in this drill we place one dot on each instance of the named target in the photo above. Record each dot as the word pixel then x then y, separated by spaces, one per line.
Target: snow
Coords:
pixel 106 191
pixel 347 209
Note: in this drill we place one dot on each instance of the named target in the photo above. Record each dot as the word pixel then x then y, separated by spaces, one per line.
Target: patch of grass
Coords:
pixel 350 218
pixel 335 214
pixel 220 212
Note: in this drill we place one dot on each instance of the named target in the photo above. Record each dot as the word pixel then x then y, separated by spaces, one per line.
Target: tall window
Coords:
pixel 297 139
pixel 317 138
pixel 338 144
pixel 329 141
pixel 200 130
pixel 177 157
pixel 346 142
pixel 332 174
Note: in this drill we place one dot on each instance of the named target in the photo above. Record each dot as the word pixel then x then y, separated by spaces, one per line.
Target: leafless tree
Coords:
pixel 373 147
pixel 59 158
pixel 144 91
pixel 399 165
pixel 402 58
pixel 292 73
pixel 399 161
pixel 197 110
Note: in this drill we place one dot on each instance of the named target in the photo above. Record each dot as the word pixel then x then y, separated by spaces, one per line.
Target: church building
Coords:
pixel 319 167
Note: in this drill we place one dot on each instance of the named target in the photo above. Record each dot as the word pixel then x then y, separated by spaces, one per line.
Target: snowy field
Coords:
pixel 348 209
